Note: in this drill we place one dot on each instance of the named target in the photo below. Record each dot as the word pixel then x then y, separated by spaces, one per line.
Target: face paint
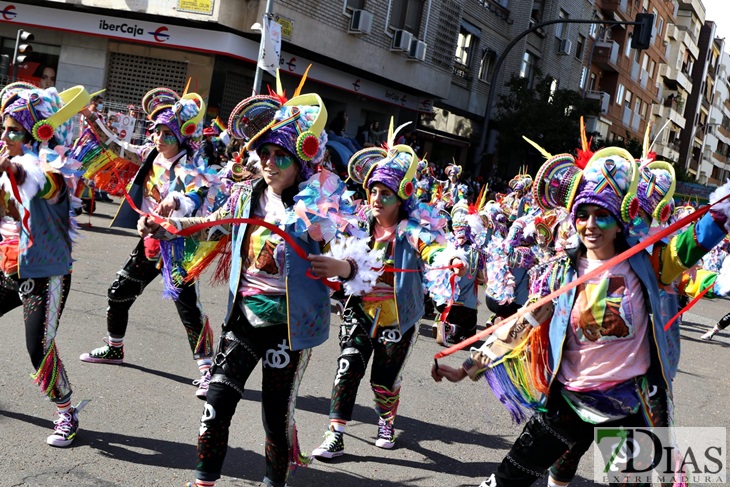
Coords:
pixel 283 161
pixel 13 135
pixel 169 139
pixel 388 199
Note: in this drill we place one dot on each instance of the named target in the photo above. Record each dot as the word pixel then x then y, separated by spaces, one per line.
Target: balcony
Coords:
pixel 724 132
pixel 668 111
pixel 684 36
pixel 611 8
pixel 719 157
pixel 605 56
pixel 694 5
pixel 668 152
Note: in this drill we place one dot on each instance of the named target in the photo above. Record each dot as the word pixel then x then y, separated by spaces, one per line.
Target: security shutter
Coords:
pixel 237 87
pixel 130 77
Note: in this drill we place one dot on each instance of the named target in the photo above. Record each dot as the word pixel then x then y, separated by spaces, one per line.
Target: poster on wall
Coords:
pixel 196 6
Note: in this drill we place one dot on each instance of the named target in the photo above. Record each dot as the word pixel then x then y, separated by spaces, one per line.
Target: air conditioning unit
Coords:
pixel 401 40
pixel 565 46
pixel 417 52
pixel 361 22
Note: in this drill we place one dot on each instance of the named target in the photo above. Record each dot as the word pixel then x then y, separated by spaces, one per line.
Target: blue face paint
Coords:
pixel 283 161
pixel 169 139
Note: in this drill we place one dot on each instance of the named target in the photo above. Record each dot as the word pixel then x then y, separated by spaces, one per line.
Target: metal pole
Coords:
pixel 15 55
pixel 260 72
pixel 493 88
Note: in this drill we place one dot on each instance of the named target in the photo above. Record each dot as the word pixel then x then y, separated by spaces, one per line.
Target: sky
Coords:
pixel 719 12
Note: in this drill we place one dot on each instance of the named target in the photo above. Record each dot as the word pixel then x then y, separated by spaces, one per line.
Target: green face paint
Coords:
pixel 283 161
pixel 388 199
pixel 13 135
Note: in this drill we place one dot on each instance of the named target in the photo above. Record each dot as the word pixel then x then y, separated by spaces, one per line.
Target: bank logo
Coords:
pixel 9 12
pixel 161 34
pixel 134 30
pixel 660 455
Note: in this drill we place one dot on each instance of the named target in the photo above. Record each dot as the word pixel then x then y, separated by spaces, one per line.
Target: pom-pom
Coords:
pixel 406 189
pixel 307 145
pixel 43 131
pixel 369 263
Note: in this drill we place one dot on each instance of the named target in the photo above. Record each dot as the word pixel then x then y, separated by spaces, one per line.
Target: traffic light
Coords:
pixel 641 39
pixel 22 47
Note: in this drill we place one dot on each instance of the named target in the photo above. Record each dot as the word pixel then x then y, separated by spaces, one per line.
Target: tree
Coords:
pixel 548 116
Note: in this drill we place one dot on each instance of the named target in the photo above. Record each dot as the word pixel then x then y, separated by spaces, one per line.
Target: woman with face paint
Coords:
pixel 263 322
pixel 164 186
pixel 35 233
pixel 381 322
pixel 598 355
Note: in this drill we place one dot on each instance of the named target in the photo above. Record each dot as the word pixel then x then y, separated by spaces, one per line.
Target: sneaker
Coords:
pixel 386 435
pixel 490 482
pixel 708 336
pixel 332 446
pixel 203 383
pixel 64 429
pixel 104 355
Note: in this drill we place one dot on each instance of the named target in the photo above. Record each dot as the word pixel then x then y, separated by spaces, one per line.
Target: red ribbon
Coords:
pixel 577 282
pixel 689 305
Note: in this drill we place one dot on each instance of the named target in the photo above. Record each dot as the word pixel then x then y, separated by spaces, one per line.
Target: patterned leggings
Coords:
pixel 390 350
pixel 238 354
pixel 558 438
pixel 42 299
pixel 131 281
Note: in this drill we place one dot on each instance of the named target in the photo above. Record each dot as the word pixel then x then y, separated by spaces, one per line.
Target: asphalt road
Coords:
pixel 141 427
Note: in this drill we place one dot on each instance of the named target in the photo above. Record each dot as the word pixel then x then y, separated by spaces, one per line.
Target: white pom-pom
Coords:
pixel 369 263
pixel 722 284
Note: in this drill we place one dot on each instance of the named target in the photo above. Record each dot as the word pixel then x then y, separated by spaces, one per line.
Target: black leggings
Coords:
pixel 558 438
pixel 131 281
pixel 240 349
pixel 390 350
pixel 43 299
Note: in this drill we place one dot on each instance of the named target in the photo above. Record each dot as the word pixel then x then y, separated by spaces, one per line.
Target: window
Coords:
pixel 354 4
pixel 643 109
pixel 637 104
pixel 627 52
pixel 579 46
pixel 528 67
pixel 660 27
pixel 583 74
pixel 620 91
pixel 593 30
pixel 536 15
pixel 627 100
pixel 592 83
pixel 467 37
pixel 406 15
pixel 652 68
pixel 560 28
pixel 486 65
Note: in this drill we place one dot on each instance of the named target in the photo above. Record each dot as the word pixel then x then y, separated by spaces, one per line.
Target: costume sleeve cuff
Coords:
pixel 184 205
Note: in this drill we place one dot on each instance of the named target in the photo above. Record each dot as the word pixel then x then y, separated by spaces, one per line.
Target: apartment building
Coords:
pixel 626 81
pixel 682 53
pixel 694 154
pixel 714 164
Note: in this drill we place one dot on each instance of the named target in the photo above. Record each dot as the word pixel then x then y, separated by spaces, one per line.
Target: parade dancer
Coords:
pixel 573 353
pixel 466 241
pixel 263 323
pixel 382 323
pixel 161 186
pixel 36 227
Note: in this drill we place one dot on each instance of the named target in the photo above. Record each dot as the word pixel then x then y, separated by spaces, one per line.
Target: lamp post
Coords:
pixel 258 77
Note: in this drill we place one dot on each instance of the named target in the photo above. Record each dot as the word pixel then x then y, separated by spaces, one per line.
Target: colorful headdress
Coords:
pixel 610 180
pixel 297 124
pixel 454 170
pixel 656 190
pixel 556 181
pixel 522 181
pixel 182 115
pixel 44 113
pixel 394 166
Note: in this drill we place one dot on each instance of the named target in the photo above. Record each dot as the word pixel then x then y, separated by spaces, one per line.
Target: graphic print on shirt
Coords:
pixel 605 310
pixel 157 183
pixel 265 253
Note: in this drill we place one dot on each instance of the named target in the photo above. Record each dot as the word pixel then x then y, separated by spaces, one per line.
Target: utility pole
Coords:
pixel 258 77
pixel 493 88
